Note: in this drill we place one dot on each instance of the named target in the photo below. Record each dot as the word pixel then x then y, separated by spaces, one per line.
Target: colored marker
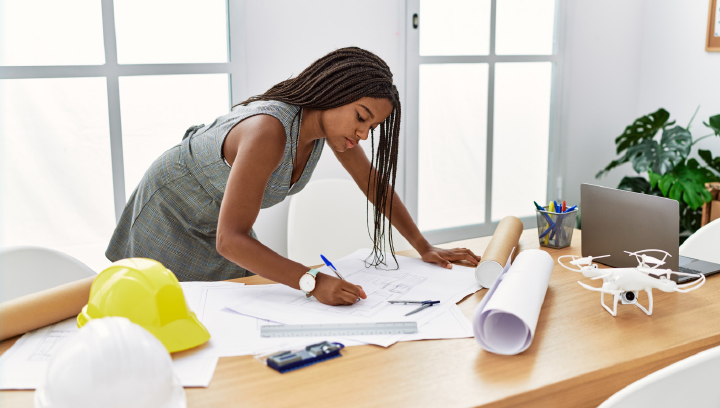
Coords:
pixel 571 208
pixel 543 212
pixel 551 208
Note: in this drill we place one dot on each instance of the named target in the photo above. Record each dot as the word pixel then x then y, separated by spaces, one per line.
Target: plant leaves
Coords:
pixel 666 181
pixel 714 163
pixel 690 219
pixel 714 124
pixel 654 178
pixel 611 166
pixel 677 140
pixel 686 183
pixel 661 157
pixel 643 128
pixel 635 184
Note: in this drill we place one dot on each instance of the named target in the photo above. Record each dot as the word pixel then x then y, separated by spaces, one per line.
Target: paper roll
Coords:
pixel 40 309
pixel 505 321
pixel 506 237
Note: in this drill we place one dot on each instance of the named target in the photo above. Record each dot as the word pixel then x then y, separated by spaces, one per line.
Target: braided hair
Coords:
pixel 339 78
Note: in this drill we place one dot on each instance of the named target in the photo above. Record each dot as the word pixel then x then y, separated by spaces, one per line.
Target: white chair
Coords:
pixel 704 244
pixel 25 270
pixel 328 217
pixel 691 382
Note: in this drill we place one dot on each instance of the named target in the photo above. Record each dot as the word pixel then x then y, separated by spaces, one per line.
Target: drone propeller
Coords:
pixel 651 260
pixel 586 261
pixel 574 258
pixel 610 292
pixel 647 259
pixel 690 286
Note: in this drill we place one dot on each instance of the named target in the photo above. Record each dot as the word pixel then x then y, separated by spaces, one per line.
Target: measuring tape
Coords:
pixel 340 329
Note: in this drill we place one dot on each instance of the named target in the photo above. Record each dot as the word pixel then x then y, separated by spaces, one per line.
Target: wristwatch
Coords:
pixel 307 281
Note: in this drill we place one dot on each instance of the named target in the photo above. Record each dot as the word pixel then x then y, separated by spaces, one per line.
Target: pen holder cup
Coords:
pixel 555 229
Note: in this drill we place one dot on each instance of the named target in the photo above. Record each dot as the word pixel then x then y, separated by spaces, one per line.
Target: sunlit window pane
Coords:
pixel 452 130
pixel 454 27
pixel 171 31
pixel 520 137
pixel 157 110
pixel 55 170
pixel 525 27
pixel 51 32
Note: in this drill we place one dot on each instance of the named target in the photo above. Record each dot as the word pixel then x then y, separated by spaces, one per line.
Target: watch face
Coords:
pixel 307 283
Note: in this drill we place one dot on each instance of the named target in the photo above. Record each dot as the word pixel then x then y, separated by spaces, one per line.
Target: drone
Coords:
pixel 625 283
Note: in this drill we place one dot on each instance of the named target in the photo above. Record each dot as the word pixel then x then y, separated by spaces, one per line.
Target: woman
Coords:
pixel 195 207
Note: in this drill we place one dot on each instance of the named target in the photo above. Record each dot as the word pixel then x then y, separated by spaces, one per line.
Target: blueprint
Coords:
pixel 414 280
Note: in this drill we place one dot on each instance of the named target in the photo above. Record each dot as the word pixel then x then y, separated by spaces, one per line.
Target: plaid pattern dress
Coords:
pixel 173 213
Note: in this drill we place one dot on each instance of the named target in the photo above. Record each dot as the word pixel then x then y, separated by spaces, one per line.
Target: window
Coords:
pixel 480 77
pixel 91 92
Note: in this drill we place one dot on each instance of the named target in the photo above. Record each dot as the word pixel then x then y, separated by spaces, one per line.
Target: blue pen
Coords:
pixel 328 263
pixel 571 208
pixel 551 224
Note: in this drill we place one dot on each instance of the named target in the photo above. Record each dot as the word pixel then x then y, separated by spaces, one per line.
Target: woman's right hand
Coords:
pixel 333 291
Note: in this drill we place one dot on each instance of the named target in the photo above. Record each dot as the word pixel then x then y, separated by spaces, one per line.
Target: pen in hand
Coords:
pixel 328 263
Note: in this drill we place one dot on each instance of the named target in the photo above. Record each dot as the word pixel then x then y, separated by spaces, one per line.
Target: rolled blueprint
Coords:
pixel 30 312
pixel 504 322
pixel 505 238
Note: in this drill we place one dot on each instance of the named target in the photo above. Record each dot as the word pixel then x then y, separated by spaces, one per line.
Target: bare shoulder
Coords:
pixel 260 136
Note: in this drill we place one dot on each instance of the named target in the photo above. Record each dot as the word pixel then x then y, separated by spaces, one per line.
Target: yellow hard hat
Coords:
pixel 148 294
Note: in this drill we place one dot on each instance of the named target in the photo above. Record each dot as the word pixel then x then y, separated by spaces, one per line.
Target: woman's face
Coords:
pixel 346 125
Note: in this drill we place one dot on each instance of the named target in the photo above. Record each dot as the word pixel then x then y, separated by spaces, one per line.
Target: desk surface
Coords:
pixel 580 356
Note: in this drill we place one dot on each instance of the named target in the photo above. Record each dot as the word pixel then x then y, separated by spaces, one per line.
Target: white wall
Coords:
pixel 676 72
pixel 283 37
pixel 624 59
pixel 600 87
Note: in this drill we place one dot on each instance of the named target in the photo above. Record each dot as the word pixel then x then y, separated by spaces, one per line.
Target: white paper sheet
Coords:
pixel 451 324
pixel 194 369
pixel 415 280
pixel 234 334
pixel 505 320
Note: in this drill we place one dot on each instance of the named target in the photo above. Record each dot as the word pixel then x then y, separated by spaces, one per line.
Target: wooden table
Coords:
pixel 580 356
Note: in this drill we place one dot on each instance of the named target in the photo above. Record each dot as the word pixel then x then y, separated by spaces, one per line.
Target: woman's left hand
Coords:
pixel 444 257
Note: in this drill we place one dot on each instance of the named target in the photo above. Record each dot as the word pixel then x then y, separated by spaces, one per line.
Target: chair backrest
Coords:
pixel 704 244
pixel 329 218
pixel 26 270
pixel 691 382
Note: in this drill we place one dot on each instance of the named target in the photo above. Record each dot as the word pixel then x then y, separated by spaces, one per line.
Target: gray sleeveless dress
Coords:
pixel 172 215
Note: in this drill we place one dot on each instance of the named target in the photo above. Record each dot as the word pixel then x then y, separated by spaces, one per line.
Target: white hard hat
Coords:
pixel 111 362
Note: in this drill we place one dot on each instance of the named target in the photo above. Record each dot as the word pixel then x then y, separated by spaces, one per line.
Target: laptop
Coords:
pixel 614 221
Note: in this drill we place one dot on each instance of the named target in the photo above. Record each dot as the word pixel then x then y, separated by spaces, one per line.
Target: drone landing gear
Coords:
pixel 647 311
pixel 617 298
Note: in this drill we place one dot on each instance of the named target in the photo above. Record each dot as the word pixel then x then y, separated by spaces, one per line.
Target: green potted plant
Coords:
pixel 663 166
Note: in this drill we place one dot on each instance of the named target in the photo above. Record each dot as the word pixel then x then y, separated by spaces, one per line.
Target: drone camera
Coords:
pixel 629 298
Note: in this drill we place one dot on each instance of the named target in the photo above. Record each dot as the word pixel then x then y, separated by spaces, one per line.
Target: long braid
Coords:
pixel 339 78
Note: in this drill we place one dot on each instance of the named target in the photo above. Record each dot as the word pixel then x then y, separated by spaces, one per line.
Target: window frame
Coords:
pixel 413 61
pixel 235 69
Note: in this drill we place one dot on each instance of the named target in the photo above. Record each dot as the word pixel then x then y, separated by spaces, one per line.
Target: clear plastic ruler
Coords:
pixel 339 329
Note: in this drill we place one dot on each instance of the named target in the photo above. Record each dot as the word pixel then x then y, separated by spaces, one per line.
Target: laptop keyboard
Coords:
pixel 682 279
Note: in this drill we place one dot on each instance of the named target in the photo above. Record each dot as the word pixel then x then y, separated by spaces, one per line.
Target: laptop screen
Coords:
pixel 614 221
